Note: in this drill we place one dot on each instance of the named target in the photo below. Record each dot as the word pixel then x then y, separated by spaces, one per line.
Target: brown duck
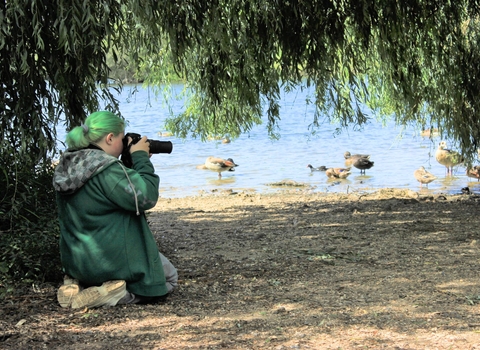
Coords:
pixel 338 173
pixel 423 176
pixel 474 172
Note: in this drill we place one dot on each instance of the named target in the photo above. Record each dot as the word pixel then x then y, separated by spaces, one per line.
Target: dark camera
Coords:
pixel 155 147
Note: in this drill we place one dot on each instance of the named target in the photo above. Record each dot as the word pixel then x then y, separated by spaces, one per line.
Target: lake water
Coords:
pixel 396 152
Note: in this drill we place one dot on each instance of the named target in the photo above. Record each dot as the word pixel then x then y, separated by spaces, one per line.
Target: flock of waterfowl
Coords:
pixel 443 156
pixel 359 161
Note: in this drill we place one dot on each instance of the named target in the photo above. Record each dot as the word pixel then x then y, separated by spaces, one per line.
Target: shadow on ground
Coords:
pixel 389 269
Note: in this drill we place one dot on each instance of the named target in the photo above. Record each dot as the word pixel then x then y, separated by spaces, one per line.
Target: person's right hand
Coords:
pixel 141 145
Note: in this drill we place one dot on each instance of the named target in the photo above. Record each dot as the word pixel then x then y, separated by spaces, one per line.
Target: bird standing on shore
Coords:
pixel 219 165
pixel 423 176
pixel 447 157
pixel 359 161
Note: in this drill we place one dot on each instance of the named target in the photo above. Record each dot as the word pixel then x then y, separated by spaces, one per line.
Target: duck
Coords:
pixel 432 132
pixel 351 158
pixel 320 168
pixel 447 157
pixel 363 164
pixel 337 173
pixel 359 161
pixel 474 172
pixel 220 165
pixel 423 176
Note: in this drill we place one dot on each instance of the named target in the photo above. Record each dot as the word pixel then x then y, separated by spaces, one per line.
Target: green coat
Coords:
pixel 104 231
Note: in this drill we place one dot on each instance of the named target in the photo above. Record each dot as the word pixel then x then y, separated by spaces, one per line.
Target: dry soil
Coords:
pixel 294 270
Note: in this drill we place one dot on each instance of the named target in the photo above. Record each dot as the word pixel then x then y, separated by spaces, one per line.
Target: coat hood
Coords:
pixel 75 168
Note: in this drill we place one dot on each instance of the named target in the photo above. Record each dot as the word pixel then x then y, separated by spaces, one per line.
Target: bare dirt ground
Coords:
pixel 387 270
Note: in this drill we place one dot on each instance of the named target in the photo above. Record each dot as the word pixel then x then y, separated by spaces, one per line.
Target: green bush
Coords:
pixel 29 230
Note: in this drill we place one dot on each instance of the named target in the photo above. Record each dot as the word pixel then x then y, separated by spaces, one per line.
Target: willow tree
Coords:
pixel 415 60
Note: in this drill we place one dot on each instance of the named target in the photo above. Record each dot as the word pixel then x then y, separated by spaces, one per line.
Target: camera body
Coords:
pixel 155 147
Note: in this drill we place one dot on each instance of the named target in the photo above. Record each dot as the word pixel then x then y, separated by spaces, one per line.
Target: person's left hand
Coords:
pixel 141 145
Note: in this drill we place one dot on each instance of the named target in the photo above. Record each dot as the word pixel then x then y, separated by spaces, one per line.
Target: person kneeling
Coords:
pixel 108 252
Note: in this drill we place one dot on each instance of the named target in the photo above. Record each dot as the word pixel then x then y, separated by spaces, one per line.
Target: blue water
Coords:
pixel 396 151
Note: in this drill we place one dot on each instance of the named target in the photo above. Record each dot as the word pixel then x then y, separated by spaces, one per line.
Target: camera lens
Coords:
pixel 160 146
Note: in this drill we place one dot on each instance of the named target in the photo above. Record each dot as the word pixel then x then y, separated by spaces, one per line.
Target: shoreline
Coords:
pixel 288 186
pixel 218 200
pixel 310 192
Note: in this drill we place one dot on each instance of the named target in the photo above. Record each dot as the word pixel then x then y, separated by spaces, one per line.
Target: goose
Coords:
pixel 423 176
pixel 219 165
pixel 338 173
pixel 447 158
pixel 474 172
pixel 320 168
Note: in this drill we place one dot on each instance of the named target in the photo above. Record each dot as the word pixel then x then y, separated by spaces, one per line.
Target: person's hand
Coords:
pixel 141 145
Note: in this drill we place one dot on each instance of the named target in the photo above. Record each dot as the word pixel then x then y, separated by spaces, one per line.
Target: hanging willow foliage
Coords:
pixel 415 60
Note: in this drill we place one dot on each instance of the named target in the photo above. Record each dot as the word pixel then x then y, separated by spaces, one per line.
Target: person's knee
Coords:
pixel 171 274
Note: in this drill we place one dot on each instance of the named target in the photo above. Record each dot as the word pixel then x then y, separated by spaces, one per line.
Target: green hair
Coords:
pixel 96 126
